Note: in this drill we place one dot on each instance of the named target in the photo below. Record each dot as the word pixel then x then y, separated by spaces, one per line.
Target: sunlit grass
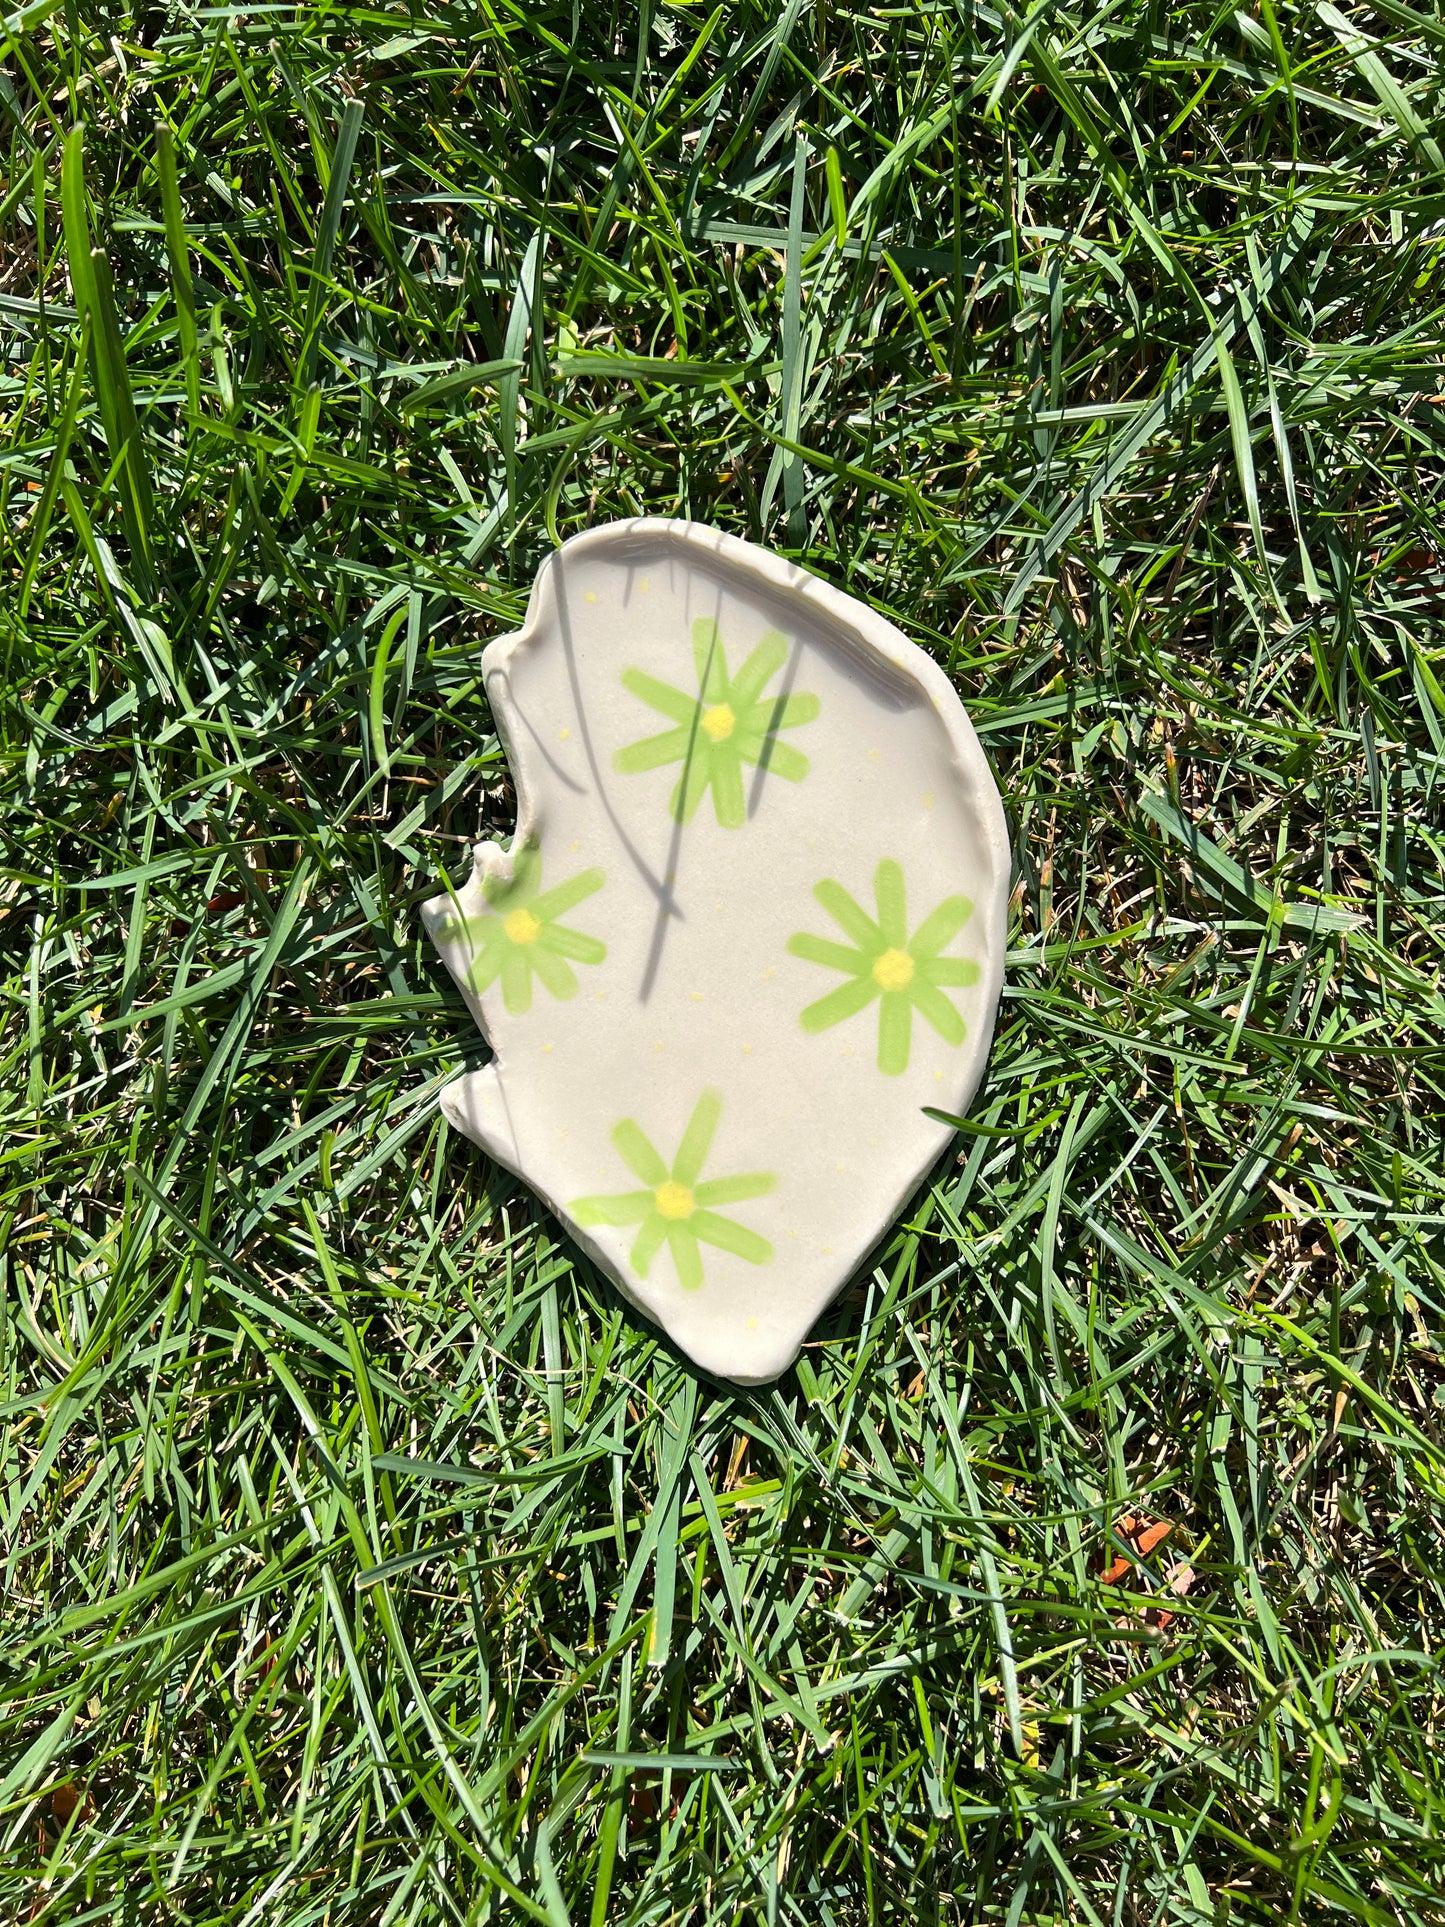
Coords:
pixel 364 1560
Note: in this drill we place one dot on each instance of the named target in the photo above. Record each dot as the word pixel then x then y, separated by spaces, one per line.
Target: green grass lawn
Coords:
pixel 364 1559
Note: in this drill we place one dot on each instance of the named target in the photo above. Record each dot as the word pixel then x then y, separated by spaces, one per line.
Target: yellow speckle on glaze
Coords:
pixel 563 734
pixel 875 756
pixel 591 595
pixel 575 845
pixel 673 1201
pixel 893 970
pixel 547 1047
pixel 770 973
pixel 644 585
pixel 747 1050
pixel 752 1324
pixel 929 799
pixel 659 1047
pixel 697 996
pixel 718 723
pixel 522 927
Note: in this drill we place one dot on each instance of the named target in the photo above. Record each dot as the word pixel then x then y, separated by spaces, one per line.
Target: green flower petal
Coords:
pixel 895 1026
pixel 517 981
pixel 940 928
pixel 562 897
pixel 730 1236
pixel 525 880
pixel 780 759
pixel 748 1184
pixel 949 970
pixel 727 787
pixel 836 956
pixel 892 904
pixel 782 712
pixel 575 944
pixel 759 669
pixel 648 1243
pixel 685 1254
pixel 485 933
pixel 485 966
pixel 692 784
pixel 660 695
pixel 481 935
pixel 556 973
pixel 846 1001
pixel 849 915
pixel 933 1005
pixel 697 1139
pixel 636 1151
pixel 654 751
pixel 624 1207
pixel 454 928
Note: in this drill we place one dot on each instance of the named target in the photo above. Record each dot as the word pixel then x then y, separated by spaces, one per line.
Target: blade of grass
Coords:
pixel 178 256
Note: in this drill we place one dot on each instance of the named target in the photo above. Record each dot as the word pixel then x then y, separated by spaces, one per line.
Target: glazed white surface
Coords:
pixel 699 991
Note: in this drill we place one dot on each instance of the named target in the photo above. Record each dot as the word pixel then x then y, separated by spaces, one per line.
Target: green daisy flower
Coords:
pixel 520 936
pixel 676 1209
pixel 728 723
pixel 905 975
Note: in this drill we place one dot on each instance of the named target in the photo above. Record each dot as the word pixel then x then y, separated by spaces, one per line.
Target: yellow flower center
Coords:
pixel 522 927
pixel 673 1200
pixel 718 723
pixel 893 970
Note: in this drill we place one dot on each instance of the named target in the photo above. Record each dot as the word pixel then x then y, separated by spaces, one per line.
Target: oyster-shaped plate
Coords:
pixel 751 924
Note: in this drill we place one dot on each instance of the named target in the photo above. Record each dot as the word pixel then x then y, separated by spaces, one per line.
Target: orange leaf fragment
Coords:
pixel 1180 1579
pixel 1143 1535
pixel 65 1798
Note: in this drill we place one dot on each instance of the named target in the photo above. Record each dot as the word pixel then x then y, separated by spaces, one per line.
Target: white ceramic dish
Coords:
pixel 751 924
